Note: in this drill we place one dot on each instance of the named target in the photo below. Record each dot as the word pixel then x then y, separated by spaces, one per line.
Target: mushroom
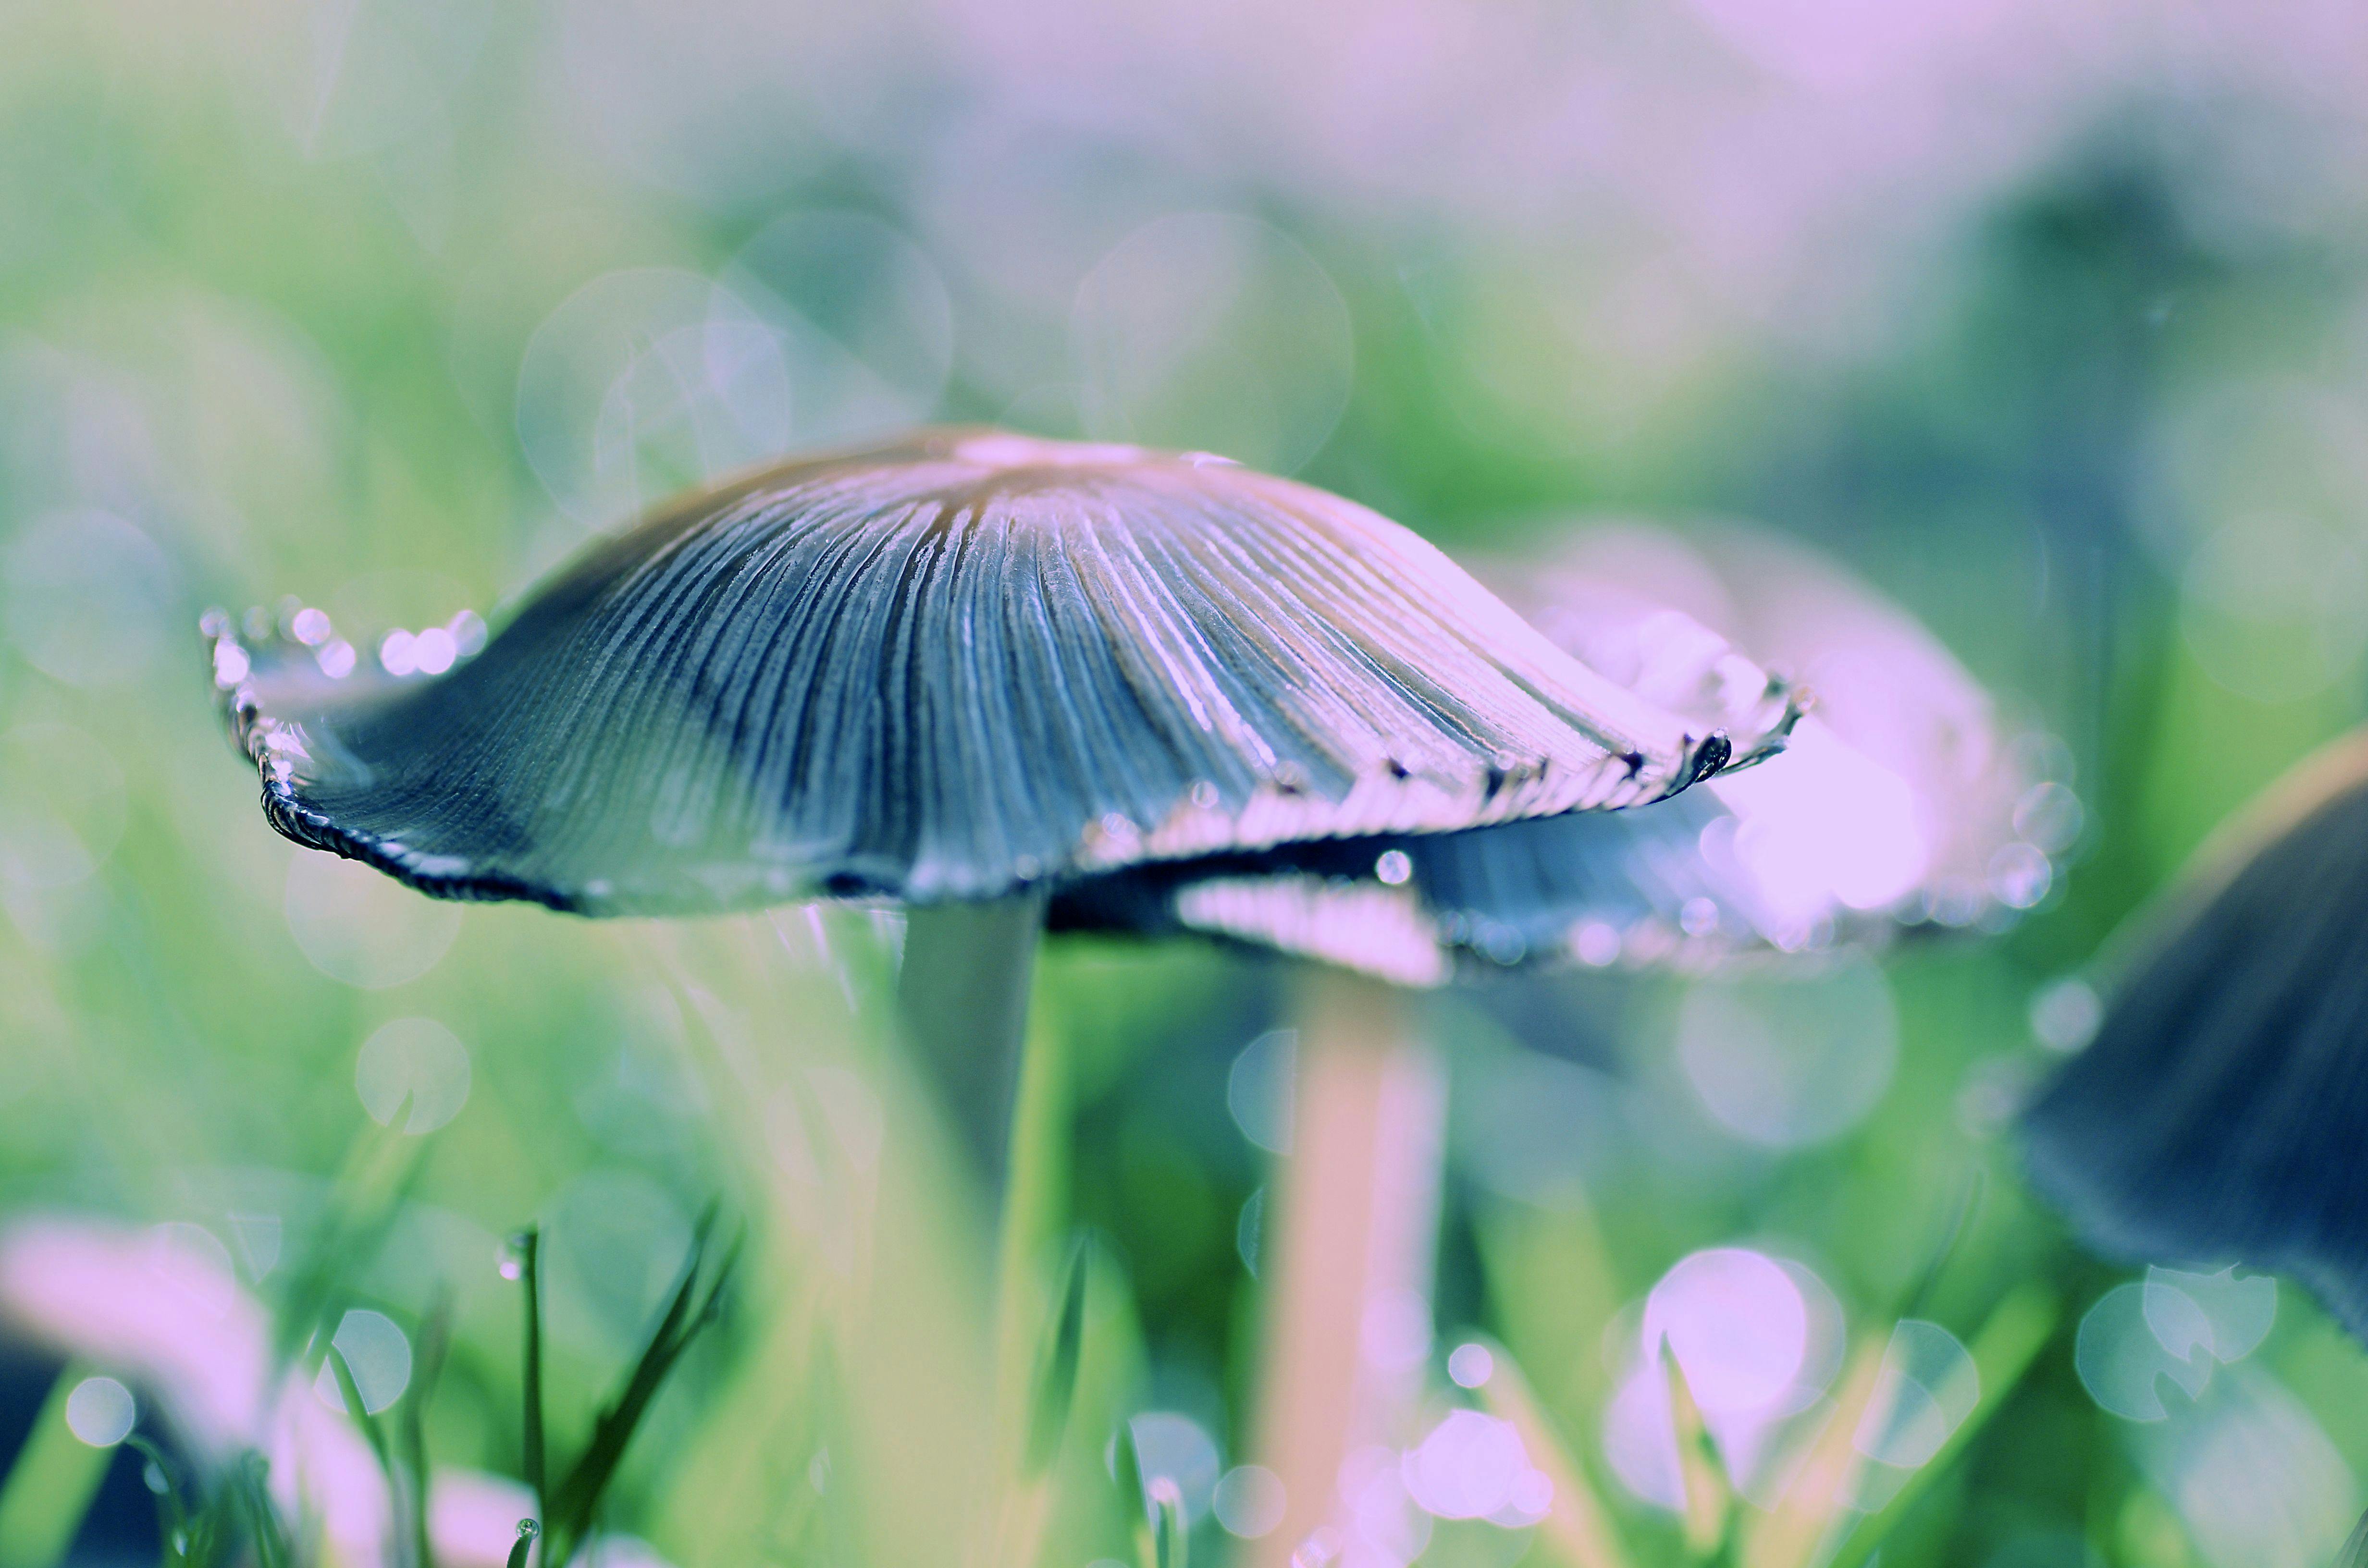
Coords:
pixel 1887 807
pixel 949 673
pixel 1355 1213
pixel 1896 802
pixel 2217 1114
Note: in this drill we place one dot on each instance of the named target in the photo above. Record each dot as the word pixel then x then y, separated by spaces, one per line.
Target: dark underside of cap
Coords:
pixel 1594 886
pixel 947 669
pixel 2221 1114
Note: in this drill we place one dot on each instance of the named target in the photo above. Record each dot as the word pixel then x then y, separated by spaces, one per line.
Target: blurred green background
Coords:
pixel 2054 323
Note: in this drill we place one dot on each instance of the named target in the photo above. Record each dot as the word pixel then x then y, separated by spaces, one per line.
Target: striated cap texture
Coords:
pixel 1896 802
pixel 945 669
pixel 1413 907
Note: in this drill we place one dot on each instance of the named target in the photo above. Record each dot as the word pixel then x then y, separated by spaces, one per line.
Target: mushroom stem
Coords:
pixel 961 990
pixel 1349 1295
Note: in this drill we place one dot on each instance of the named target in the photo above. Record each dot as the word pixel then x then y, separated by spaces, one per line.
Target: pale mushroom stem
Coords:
pixel 1354 1219
pixel 963 991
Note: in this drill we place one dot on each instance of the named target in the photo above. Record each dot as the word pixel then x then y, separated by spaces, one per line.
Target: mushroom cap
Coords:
pixel 946 669
pixel 2217 1116
pixel 1889 805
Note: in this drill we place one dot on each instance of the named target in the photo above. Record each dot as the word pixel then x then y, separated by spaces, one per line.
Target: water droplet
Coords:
pixel 1395 867
pixel 434 651
pixel 512 1258
pixel 468 629
pixel 398 653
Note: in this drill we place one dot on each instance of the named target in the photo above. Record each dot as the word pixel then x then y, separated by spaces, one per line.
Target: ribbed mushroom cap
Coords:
pixel 1409 907
pixel 2220 1113
pixel 1890 803
pixel 945 669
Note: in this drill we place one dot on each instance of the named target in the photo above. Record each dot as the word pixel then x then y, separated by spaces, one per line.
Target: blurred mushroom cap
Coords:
pixel 944 669
pixel 2217 1116
pixel 1893 803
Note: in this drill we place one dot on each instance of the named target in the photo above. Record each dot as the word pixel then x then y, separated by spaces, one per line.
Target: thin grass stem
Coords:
pixel 49 1489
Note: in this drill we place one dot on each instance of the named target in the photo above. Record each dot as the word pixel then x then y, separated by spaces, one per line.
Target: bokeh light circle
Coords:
pixel 363 927
pixel 100 1411
pixel 2275 608
pixel 1784 1062
pixel 1259 1090
pixel 415 1059
pixel 645 382
pixel 865 325
pixel 90 598
pixel 1248 1500
pixel 1736 1324
pixel 1213 332
pixel 1467 1467
pixel 376 1352
pixel 1173 1448
pixel 62 806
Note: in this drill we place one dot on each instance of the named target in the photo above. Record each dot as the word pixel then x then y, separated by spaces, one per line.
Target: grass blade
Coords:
pixel 536 1455
pixel 380 1170
pixel 172 1511
pixel 1577 1525
pixel 1057 1376
pixel 251 1486
pixel 1792 1535
pixel 2003 1350
pixel 572 1507
pixel 520 1548
pixel 1026 1501
pixel 1698 1470
pixel 373 1429
pixel 1171 1540
pixel 1952 1235
pixel 2355 1547
pixel 50 1488
pixel 435 1346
